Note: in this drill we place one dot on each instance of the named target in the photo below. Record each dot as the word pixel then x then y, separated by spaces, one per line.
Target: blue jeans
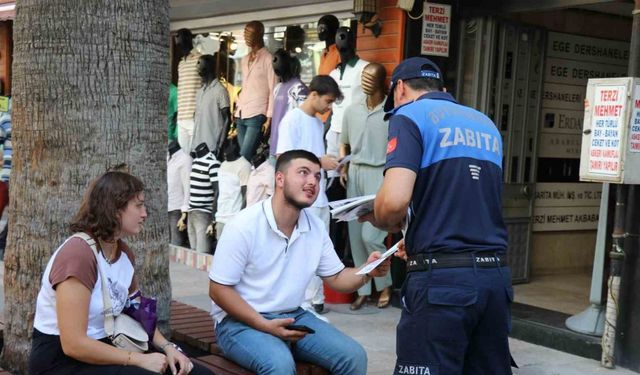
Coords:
pixel 266 354
pixel 249 130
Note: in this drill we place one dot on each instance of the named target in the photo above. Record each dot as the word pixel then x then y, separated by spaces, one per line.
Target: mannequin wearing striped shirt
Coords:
pixel 203 191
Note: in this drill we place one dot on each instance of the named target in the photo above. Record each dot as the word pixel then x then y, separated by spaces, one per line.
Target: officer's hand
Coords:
pixel 181 222
pixel 277 328
pixel 211 230
pixel 402 251
pixel 382 269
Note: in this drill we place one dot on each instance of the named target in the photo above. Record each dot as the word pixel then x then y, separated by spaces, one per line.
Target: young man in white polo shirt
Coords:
pixel 266 256
pixel 301 129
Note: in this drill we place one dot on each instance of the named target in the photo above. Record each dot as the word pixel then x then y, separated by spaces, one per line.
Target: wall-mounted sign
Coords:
pixel 563 96
pixel 634 131
pixel 562 121
pixel 611 135
pixel 576 47
pixel 571 61
pixel 561 146
pixel 566 206
pixel 606 131
pixel 436 25
pixel 570 72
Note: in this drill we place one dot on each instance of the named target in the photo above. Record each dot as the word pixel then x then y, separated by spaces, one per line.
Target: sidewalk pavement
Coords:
pixel 375 329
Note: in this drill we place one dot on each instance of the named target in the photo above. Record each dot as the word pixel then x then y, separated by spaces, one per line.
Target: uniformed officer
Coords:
pixel 444 166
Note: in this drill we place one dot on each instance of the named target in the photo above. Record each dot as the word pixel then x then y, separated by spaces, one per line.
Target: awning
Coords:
pixel 7 10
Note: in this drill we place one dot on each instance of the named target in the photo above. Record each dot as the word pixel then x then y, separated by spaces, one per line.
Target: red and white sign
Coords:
pixel 634 129
pixel 606 130
pixel 436 25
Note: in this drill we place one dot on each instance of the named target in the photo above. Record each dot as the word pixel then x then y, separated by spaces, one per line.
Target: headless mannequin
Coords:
pixel 201 150
pixel 188 84
pixel 373 86
pixel 253 37
pixel 231 153
pixel 284 66
pixel 327 27
pixel 348 75
pixel 373 82
pixel 346 44
pixel 174 147
pixel 294 39
pixel 211 132
pixel 329 59
pixel 184 42
pixel 289 94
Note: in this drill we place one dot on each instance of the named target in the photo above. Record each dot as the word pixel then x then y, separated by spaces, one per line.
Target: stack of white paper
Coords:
pixel 352 208
pixel 371 266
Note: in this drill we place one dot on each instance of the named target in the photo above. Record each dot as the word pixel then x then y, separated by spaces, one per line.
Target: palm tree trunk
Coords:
pixel 90 85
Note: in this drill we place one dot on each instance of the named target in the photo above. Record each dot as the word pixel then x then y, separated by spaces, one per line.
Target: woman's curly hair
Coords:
pixel 107 196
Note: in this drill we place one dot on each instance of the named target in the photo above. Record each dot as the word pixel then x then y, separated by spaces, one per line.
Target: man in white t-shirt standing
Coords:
pixel 301 129
pixel 259 272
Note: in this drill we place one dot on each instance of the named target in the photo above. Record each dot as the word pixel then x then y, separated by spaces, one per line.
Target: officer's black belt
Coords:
pixel 425 262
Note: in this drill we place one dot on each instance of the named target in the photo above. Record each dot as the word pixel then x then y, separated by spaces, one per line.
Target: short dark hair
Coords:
pixel 286 157
pixel 325 85
pixel 107 195
pixel 424 84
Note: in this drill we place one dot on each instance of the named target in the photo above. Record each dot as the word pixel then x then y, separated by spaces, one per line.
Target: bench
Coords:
pixel 194 327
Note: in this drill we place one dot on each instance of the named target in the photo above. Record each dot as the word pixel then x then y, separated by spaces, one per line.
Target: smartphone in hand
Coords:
pixel 302 328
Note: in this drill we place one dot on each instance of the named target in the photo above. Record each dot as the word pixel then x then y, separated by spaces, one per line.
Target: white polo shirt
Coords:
pixel 267 269
pixel 299 131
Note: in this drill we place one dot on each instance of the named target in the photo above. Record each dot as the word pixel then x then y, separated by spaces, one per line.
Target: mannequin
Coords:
pixel 202 197
pixel 178 170
pixel 232 182
pixel 348 74
pixel 226 68
pixel 364 136
pixel 188 84
pixel 288 94
pixel 212 117
pixel 330 58
pixel 327 27
pixel 294 40
pixel 255 104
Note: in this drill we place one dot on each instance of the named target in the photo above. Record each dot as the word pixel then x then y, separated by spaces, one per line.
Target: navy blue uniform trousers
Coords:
pixel 455 321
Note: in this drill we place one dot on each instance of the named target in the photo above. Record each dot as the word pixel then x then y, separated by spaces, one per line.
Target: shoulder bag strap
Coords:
pixel 106 299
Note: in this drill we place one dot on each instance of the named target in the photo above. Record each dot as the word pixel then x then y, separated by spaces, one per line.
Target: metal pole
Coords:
pixel 617 259
pixel 624 194
pixel 591 320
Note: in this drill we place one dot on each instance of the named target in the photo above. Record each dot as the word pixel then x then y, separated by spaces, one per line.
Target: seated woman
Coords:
pixel 69 335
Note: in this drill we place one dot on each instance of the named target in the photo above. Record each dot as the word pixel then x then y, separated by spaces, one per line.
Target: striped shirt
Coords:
pixel 188 83
pixel 204 183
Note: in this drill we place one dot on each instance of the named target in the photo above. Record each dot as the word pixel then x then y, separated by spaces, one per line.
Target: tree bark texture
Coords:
pixel 90 86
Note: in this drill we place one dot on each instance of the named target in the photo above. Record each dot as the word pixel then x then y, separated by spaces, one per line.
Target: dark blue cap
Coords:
pixel 413 67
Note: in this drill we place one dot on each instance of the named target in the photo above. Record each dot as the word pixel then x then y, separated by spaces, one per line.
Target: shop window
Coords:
pixel 302 41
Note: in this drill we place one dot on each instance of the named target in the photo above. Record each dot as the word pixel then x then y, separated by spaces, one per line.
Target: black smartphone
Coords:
pixel 295 327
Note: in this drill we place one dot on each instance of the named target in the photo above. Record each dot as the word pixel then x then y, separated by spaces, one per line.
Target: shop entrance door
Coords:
pixel 501 72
